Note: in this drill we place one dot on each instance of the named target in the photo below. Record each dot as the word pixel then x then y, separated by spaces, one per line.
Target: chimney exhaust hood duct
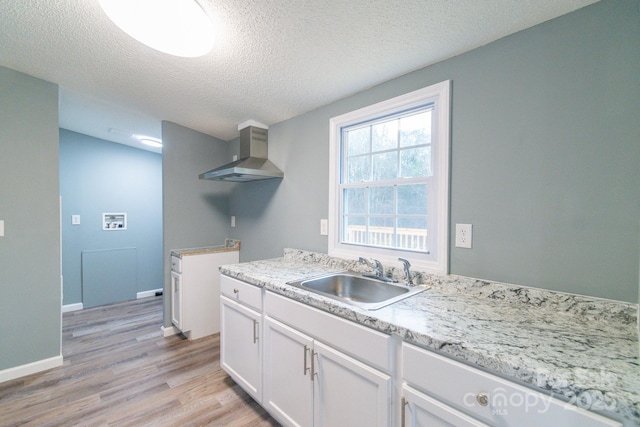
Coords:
pixel 253 164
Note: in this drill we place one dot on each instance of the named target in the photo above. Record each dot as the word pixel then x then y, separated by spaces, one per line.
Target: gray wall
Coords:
pixel 195 212
pixel 545 158
pixel 29 206
pixel 98 176
pixel 555 199
pixel 274 214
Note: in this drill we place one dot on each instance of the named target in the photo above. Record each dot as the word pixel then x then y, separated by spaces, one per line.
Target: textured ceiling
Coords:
pixel 273 59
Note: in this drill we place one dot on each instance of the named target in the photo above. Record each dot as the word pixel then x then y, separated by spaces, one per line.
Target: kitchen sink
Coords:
pixel 355 289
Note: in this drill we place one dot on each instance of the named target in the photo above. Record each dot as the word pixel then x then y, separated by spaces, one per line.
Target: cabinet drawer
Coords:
pixel 240 291
pixel 488 397
pixel 358 341
pixel 176 264
pixel 422 410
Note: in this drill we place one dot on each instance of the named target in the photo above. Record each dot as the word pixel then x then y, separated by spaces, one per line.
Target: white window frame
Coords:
pixel 437 262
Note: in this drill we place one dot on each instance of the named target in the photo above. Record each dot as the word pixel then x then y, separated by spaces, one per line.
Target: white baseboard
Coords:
pixel 78 306
pixel 145 294
pixel 168 331
pixel 30 368
pixel 72 307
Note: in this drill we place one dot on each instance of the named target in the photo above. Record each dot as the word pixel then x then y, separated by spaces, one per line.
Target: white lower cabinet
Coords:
pixel 309 368
pixel 240 347
pixel 308 383
pixel 195 292
pixel 439 391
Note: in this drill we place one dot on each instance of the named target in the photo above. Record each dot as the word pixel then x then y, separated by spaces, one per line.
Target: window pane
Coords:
pixel 385 136
pixel 412 199
pixel 358 140
pixel 412 234
pixel 358 169
pixel 415 129
pixel 385 166
pixel 415 162
pixel 381 200
pixel 354 229
pixel 381 232
pixel 355 201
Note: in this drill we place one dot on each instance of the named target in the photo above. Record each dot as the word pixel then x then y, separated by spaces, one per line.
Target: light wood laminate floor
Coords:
pixel 119 371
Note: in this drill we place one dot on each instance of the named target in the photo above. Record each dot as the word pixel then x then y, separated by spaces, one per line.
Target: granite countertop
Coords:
pixel 577 348
pixel 229 245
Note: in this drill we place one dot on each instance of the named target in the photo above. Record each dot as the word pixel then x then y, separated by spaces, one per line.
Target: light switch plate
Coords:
pixel 233 220
pixel 75 219
pixel 324 227
pixel 1 227
pixel 464 233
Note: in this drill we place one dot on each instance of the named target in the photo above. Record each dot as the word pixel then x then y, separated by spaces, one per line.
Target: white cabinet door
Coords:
pixel 420 410
pixel 288 385
pixel 307 383
pixel 176 300
pixel 348 392
pixel 240 346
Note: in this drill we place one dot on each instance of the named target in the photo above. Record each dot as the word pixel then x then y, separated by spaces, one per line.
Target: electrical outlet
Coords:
pixel 75 219
pixel 464 235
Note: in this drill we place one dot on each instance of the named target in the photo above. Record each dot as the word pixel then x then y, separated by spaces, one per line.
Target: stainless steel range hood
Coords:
pixel 253 164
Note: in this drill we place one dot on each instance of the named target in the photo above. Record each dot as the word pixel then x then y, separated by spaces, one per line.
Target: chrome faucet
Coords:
pixel 407 272
pixel 377 265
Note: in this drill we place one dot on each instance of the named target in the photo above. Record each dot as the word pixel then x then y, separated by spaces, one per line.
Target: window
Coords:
pixel 389 180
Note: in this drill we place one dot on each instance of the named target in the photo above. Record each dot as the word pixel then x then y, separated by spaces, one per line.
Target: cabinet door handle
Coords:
pixel 255 331
pixel 306 349
pixel 403 414
pixel 236 291
pixel 313 364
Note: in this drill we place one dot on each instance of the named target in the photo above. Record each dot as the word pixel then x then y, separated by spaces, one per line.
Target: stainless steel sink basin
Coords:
pixel 357 290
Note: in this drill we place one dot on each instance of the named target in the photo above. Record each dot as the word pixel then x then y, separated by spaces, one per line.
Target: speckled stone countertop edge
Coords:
pixel 531 369
pixel 229 245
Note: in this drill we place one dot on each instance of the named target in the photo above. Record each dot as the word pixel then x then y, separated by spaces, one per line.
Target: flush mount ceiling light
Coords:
pixel 177 27
pixel 147 140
